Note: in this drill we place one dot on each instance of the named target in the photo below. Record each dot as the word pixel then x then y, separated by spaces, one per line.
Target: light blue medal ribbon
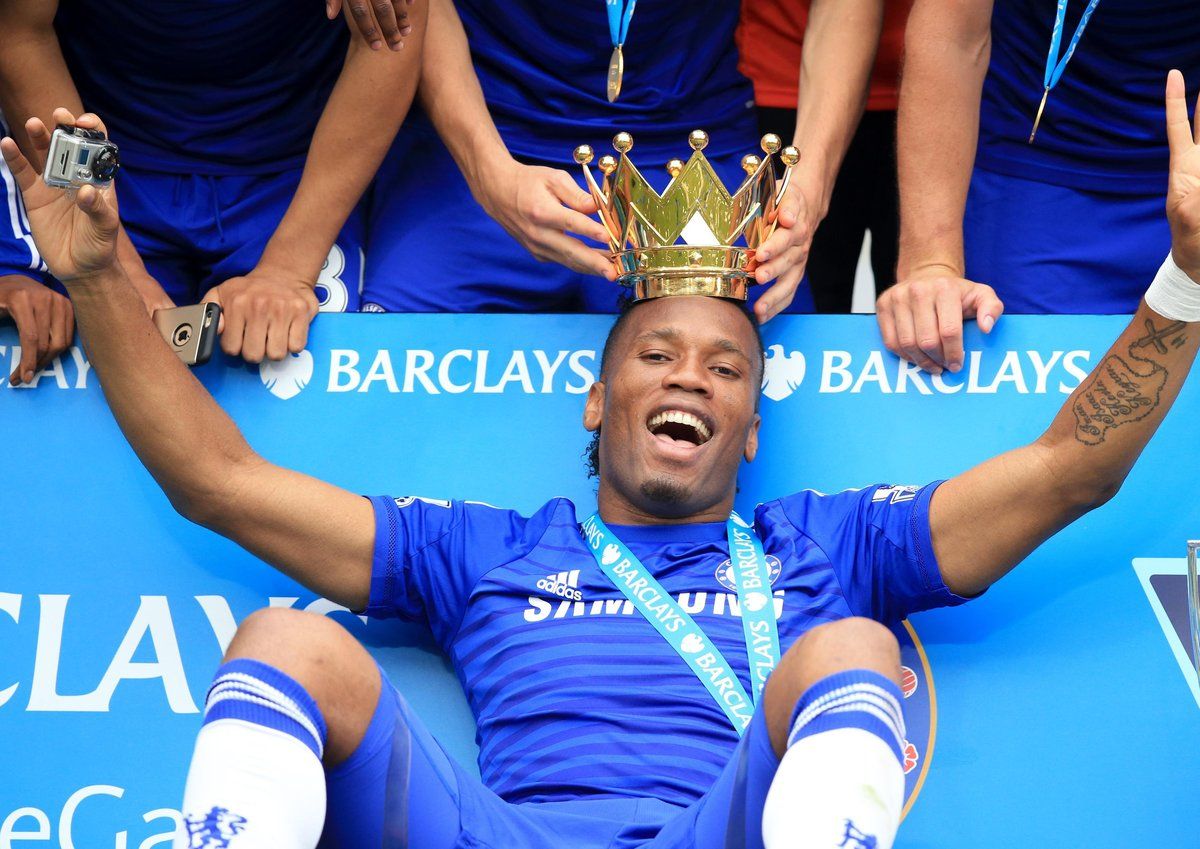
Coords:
pixel 1054 65
pixel 620 13
pixel 752 578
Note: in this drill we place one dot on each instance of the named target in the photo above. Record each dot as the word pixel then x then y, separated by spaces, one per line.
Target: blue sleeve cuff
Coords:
pixel 19 271
pixel 938 594
pixel 386 575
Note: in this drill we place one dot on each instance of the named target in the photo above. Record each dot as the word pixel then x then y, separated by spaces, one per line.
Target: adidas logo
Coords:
pixel 563 584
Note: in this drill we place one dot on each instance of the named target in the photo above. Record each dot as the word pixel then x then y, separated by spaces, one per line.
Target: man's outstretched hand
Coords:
pixel 75 233
pixel 151 292
pixel 1183 186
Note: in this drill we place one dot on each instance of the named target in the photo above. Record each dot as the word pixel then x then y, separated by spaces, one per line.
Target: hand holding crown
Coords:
pixel 644 228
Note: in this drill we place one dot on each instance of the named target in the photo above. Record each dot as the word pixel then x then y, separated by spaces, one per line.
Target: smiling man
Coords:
pixel 635 714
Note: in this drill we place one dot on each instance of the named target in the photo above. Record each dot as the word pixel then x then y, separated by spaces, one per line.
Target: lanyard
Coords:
pixel 1054 65
pixel 751 577
pixel 620 13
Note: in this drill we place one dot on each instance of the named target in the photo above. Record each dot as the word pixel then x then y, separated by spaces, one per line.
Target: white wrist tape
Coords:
pixel 1173 294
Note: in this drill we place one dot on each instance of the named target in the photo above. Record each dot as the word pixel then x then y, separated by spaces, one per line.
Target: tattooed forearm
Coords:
pixel 1118 393
pixel 1122 391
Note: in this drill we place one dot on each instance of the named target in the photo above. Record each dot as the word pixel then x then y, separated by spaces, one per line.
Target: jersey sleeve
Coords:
pixel 18 253
pixel 878 543
pixel 429 554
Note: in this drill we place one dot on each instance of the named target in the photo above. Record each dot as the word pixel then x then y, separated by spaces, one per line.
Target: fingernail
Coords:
pixel 376 45
pixel 986 323
pixel 399 45
pixel 405 30
pixel 28 377
pixel 763 256
pixel 935 370
pixel 956 367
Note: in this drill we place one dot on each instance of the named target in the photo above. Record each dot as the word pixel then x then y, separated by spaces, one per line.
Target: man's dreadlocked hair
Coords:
pixel 627 305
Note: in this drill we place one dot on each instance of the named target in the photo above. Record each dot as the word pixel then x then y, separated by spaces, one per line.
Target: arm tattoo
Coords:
pixel 1126 390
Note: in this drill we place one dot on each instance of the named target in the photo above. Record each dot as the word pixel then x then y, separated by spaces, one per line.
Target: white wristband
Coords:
pixel 1173 294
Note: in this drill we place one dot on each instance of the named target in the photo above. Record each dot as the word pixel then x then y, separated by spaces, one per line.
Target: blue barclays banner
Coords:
pixel 1055 710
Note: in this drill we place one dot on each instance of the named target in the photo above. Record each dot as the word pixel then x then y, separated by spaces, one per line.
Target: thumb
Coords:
pixel 787 213
pixel 94 204
pixel 982 303
pixel 213 296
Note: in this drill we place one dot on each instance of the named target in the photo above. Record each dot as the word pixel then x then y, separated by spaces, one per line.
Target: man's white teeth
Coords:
pixel 683 418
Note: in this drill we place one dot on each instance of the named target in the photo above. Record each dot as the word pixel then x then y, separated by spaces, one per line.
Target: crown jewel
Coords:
pixel 682 242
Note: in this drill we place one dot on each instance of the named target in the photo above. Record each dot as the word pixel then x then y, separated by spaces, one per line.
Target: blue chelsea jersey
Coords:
pixel 573 692
pixel 204 86
pixel 543 68
pixel 1103 128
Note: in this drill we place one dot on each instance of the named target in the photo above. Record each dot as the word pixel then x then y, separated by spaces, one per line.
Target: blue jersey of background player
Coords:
pixel 1071 223
pixel 591 731
pixel 464 202
pixel 248 133
pixel 44 319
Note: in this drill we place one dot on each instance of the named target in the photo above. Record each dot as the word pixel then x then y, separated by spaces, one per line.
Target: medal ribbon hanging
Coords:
pixel 1054 65
pixel 620 13
pixel 751 574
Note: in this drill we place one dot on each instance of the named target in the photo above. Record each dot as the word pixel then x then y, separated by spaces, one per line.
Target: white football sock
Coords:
pixel 840 784
pixel 256 771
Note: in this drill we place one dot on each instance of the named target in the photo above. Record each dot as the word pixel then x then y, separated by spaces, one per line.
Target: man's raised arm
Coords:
pixel 986 521
pixel 318 534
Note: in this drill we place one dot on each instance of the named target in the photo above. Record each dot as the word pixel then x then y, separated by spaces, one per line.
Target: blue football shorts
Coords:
pixel 399 788
pixel 432 248
pixel 195 231
pixel 1054 249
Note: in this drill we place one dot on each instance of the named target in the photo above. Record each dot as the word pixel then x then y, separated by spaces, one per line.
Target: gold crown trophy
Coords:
pixel 645 227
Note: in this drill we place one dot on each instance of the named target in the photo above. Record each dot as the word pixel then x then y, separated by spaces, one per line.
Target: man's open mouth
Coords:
pixel 676 426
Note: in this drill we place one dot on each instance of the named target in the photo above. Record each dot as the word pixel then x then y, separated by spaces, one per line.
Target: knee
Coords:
pixel 325 660
pixel 853 643
pixel 289 639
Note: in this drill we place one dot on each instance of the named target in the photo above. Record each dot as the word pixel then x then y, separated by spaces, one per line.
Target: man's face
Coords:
pixel 676 407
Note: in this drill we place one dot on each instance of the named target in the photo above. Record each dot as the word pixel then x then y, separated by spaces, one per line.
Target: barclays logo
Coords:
pixel 782 373
pixel 878 372
pixel 459 371
pixel 287 377
pixel 477 372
